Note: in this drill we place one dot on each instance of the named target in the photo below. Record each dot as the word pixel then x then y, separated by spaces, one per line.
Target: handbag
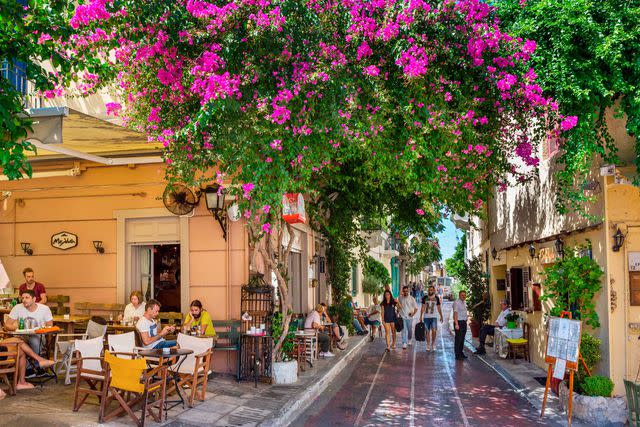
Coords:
pixel 399 324
pixel 420 332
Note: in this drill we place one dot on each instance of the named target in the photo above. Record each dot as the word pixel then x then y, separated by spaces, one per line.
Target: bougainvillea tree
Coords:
pixel 268 96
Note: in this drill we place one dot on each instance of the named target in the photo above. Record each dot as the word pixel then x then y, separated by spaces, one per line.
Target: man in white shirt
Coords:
pixel 460 317
pixel 373 318
pixel 407 311
pixel 313 323
pixel 490 329
pixel 148 328
pixel 29 345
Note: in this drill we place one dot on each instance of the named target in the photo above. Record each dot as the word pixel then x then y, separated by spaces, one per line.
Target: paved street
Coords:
pixel 417 388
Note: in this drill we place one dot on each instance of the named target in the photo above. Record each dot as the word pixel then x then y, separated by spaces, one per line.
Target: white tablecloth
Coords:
pixel 500 339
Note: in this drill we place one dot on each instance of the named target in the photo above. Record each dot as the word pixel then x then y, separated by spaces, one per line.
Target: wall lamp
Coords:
pixel 618 240
pixel 532 251
pixel 98 245
pixel 26 249
pixel 215 203
pixel 559 244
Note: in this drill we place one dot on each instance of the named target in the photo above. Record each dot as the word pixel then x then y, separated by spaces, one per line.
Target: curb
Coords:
pixel 296 406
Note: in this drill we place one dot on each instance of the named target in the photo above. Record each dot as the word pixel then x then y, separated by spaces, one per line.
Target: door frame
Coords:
pixel 124 257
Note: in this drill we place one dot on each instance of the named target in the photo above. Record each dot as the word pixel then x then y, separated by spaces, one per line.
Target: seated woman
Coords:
pixel 335 329
pixel 198 320
pixel 135 309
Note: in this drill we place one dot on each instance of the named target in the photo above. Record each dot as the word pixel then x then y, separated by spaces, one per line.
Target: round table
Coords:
pixel 46 339
pixel 180 354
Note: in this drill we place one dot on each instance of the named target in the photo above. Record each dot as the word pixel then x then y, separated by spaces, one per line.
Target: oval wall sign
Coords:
pixel 64 240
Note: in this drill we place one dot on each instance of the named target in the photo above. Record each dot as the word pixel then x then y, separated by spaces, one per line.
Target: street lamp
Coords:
pixel 559 247
pixel 618 240
pixel 532 251
pixel 214 197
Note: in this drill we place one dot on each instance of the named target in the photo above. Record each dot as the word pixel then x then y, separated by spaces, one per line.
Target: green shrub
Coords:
pixel 597 386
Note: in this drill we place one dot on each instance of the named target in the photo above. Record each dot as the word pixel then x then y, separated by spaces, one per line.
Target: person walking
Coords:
pixel 460 317
pixel 431 307
pixel 409 309
pixel 389 306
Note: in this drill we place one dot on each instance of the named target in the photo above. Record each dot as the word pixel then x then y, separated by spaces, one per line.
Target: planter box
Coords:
pixel 285 372
pixel 596 411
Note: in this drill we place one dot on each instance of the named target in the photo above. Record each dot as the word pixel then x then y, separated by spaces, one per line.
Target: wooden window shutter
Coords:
pixel 526 276
pixel 536 291
pixel 508 287
pixel 634 287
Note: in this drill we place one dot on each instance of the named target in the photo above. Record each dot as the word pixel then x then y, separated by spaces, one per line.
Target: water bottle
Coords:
pixel 21 323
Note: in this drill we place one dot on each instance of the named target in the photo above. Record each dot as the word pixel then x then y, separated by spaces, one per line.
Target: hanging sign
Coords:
pixel 64 240
pixel 293 208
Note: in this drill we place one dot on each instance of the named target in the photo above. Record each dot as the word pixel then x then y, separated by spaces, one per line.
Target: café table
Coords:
pixel 119 328
pixel 46 339
pixel 500 337
pixel 68 324
pixel 302 338
pixel 175 357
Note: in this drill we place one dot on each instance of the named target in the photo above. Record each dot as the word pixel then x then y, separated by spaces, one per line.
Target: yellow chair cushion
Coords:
pixel 517 341
pixel 126 373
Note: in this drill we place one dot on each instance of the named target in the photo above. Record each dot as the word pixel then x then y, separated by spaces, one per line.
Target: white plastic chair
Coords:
pixel 64 348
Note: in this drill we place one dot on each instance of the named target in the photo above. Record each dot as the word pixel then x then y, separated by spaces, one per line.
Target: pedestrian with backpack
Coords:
pixel 431 308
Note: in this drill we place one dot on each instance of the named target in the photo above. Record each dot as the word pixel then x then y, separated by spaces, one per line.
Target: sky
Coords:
pixel 448 239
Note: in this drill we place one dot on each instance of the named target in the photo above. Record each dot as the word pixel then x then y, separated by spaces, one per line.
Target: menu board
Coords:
pixel 564 339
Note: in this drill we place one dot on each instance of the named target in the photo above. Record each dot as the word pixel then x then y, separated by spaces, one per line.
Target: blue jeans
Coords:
pixel 357 326
pixel 407 330
pixel 166 344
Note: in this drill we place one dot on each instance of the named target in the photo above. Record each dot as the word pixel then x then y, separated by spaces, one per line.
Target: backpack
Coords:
pixel 420 332
pixel 399 324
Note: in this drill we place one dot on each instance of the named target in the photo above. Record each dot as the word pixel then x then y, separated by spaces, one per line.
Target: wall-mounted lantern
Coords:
pixel 26 249
pixel 215 203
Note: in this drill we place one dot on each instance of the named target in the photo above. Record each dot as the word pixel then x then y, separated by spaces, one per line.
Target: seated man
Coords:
pixel 29 344
pixel 148 328
pixel 490 329
pixel 373 317
pixel 198 319
pixel 358 320
pixel 335 328
pixel 313 323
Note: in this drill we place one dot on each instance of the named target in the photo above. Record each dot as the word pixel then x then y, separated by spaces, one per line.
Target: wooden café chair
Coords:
pixel 194 370
pixel 90 370
pixel 9 353
pixel 123 344
pixel 130 384
pixel 520 345
pixel 64 348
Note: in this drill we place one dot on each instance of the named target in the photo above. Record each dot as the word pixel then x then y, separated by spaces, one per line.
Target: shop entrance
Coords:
pixel 158 274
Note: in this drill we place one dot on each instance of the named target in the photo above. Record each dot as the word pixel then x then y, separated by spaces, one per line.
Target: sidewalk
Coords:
pixel 230 403
pixel 523 377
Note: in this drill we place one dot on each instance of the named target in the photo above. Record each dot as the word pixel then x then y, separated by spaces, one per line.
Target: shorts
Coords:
pixel 371 322
pixel 430 323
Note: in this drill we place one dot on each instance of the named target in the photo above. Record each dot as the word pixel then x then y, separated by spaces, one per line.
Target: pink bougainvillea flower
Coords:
pixel 266 209
pixel 266 227
pixel 569 123
pixel 113 108
pixel 420 212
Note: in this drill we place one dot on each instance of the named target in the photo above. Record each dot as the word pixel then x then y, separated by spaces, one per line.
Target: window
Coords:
pixel 16 73
pixel 517 284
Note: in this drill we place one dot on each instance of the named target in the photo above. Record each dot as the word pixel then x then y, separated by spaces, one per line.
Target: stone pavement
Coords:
pixel 227 403
pixel 522 375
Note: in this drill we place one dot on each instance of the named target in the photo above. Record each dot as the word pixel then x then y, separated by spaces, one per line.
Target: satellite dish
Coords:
pixel 179 199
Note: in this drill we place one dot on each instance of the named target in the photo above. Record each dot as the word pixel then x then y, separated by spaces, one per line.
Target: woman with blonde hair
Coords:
pixel 135 309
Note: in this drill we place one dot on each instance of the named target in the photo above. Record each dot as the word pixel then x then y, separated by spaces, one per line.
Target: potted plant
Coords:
pixel 474 279
pixel 592 400
pixel 285 367
pixel 512 320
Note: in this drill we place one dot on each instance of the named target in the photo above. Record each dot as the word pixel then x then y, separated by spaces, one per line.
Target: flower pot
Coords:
pixel 474 325
pixel 511 324
pixel 285 372
pixel 595 410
